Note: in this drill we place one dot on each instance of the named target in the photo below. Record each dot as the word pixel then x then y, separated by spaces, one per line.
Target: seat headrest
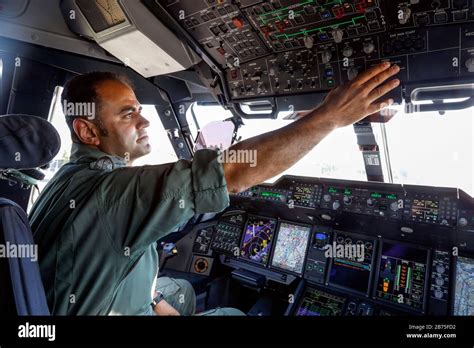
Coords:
pixel 27 142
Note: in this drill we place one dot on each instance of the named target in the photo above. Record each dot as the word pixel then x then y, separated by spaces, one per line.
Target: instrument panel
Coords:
pixel 284 47
pixel 365 256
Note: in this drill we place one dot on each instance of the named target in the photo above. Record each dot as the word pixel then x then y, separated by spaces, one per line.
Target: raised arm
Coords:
pixel 282 148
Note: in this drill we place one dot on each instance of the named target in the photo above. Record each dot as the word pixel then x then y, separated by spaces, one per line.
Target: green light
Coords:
pixel 270 194
pixel 347 192
pixel 332 190
pixel 330 82
pixel 391 196
pixel 376 195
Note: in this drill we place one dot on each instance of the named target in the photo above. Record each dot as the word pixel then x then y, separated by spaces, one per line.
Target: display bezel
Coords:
pixel 325 291
pixel 277 234
pixel 246 259
pixel 372 265
pixel 427 277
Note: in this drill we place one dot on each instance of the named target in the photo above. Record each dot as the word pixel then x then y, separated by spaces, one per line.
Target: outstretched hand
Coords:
pixel 353 101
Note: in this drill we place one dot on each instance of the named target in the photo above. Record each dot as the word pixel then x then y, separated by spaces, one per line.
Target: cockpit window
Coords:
pixel 338 156
pixel 432 149
pixel 422 148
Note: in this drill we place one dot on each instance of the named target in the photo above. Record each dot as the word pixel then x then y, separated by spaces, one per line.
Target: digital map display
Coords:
pixel 258 238
pixel 291 246
pixel 464 297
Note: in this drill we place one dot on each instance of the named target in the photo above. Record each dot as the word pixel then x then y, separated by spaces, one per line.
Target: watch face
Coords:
pixel 102 14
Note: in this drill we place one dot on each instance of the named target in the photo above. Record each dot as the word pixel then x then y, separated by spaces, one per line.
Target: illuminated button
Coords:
pixel 329 73
pixel 238 22
pixel 323 36
pixel 325 15
pixel 330 82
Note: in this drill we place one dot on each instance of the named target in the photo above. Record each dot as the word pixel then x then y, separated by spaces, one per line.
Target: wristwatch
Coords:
pixel 159 296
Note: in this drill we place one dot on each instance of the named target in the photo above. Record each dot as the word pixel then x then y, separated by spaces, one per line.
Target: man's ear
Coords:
pixel 86 131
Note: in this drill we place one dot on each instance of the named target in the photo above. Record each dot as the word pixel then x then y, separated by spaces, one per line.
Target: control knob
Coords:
pixel 347 51
pixel 439 281
pixel 352 73
pixel 440 269
pixel 327 198
pixel 462 222
pixel 470 64
pixel 394 206
pixel 337 35
pixel 336 205
pixel 369 47
pixel 326 56
pixel 404 15
pixel 347 200
pixel 370 202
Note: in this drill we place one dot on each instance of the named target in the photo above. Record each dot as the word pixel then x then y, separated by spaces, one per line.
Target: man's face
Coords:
pixel 120 116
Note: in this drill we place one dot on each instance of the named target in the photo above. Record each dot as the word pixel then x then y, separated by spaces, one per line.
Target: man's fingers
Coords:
pixel 380 78
pixel 382 90
pixel 379 106
pixel 372 72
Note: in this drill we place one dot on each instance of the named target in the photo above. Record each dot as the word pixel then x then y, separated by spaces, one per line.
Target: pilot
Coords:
pixel 97 221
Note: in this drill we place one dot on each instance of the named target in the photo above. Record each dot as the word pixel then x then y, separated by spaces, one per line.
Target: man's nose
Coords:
pixel 143 122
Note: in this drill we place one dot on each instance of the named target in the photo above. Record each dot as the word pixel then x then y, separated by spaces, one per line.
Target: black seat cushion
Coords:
pixel 27 142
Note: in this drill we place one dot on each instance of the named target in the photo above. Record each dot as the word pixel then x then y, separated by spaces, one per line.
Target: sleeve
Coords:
pixel 139 205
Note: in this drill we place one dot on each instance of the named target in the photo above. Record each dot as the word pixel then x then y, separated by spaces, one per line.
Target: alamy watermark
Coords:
pixel 346 251
pixel 236 156
pixel 26 251
pixel 79 109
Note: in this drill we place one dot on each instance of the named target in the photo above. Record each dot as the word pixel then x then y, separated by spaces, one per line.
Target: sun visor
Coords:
pixel 130 32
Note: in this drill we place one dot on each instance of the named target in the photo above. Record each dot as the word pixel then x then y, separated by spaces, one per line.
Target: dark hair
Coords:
pixel 83 89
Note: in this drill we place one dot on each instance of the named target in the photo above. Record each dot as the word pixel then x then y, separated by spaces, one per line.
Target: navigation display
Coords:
pixel 318 303
pixel 352 258
pixel 290 247
pixel 464 296
pixel 402 275
pixel 425 210
pixel 258 238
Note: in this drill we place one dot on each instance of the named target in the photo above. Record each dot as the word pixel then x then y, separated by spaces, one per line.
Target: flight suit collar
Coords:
pixel 81 153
